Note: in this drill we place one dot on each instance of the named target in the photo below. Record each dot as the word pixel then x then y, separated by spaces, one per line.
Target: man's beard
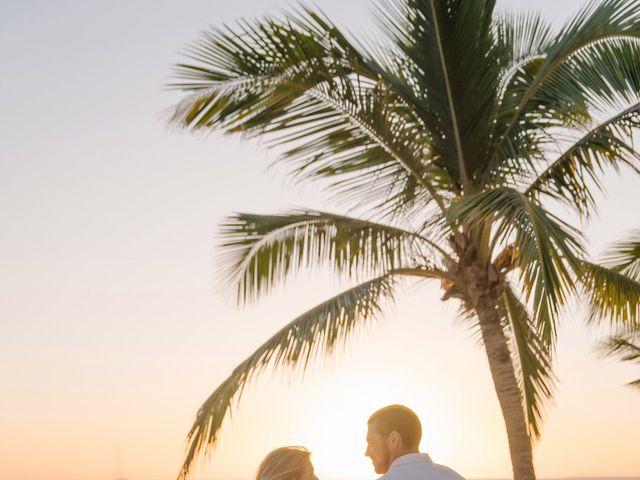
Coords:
pixel 383 468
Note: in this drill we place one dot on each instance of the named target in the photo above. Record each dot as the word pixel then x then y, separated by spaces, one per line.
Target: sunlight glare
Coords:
pixel 335 428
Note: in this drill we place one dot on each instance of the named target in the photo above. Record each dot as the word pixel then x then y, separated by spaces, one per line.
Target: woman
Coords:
pixel 287 463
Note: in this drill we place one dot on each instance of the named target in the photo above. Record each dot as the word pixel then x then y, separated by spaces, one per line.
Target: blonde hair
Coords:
pixel 285 463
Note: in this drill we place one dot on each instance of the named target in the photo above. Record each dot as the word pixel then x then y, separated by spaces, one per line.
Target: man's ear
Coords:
pixel 394 440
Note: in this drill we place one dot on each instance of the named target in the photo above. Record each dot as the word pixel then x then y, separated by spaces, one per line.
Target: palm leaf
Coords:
pixel 357 132
pixel 625 347
pixel 615 292
pixel 548 248
pixel 524 40
pixel 524 37
pixel 260 250
pixel 446 46
pixel 570 176
pixel 533 360
pixel 304 85
pixel 568 78
pixel 258 69
pixel 612 295
pixel 317 331
pixel 624 256
pixel 605 74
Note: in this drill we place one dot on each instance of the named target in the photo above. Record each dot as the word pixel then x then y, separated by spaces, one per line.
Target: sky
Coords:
pixel 114 328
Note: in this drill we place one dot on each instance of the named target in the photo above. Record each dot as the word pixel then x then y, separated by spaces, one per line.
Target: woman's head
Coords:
pixel 287 463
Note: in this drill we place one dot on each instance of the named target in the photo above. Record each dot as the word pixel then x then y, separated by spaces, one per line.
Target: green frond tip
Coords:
pixel 314 333
pixel 613 292
pixel 613 288
pixel 624 256
pixel 569 177
pixel 627 348
pixel 242 78
pixel 258 251
pixel 611 295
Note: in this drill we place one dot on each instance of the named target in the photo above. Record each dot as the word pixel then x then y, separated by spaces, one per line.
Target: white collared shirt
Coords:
pixel 418 466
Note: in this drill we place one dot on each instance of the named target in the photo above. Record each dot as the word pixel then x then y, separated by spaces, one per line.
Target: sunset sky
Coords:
pixel 114 328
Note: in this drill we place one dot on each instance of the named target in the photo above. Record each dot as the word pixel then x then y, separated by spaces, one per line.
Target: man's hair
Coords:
pixel 400 419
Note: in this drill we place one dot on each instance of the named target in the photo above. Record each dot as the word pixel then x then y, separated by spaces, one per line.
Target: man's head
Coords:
pixel 393 431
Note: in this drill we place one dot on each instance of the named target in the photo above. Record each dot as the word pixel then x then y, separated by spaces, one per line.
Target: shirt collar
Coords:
pixel 410 458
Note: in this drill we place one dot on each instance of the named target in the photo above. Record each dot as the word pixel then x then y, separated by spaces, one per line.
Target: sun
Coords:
pixel 338 407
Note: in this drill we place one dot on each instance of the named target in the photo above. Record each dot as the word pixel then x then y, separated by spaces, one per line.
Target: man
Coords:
pixel 393 440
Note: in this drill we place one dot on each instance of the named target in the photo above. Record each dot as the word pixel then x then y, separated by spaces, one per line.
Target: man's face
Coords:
pixel 378 450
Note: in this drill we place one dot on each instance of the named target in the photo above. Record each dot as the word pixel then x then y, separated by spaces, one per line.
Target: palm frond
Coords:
pixel 533 361
pixel 612 295
pixel 524 38
pixel 549 250
pixel 258 69
pixel 613 290
pixel 605 73
pixel 569 77
pixel 445 47
pixel 600 78
pixel 534 134
pixel 317 331
pixel 523 35
pixel 300 82
pixel 627 348
pixel 361 134
pixel 570 176
pixel 624 256
pixel 260 250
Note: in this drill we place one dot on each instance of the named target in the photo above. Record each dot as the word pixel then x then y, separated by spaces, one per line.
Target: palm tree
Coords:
pixel 622 283
pixel 453 134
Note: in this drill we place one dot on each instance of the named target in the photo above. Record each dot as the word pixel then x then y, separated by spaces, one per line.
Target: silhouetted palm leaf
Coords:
pixel 571 177
pixel 627 348
pixel 612 295
pixel 317 331
pixel 624 256
pixel 260 250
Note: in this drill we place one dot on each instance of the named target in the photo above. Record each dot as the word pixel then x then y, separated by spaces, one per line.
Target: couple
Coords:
pixel 393 438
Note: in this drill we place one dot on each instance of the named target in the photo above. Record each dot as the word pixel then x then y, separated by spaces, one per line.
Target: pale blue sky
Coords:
pixel 112 328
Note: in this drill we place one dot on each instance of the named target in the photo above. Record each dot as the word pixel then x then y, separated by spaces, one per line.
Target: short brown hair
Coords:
pixel 285 463
pixel 400 419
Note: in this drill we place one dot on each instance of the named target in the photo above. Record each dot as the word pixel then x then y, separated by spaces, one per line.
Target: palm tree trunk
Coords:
pixel 507 389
